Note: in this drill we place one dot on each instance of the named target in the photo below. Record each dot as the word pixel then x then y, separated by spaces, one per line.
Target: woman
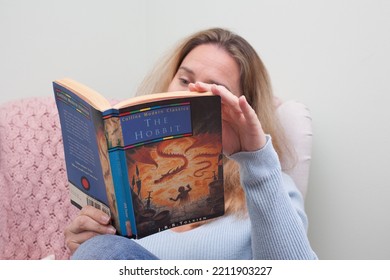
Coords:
pixel 265 217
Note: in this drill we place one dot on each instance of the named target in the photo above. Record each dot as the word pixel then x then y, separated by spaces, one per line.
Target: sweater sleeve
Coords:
pixel 275 207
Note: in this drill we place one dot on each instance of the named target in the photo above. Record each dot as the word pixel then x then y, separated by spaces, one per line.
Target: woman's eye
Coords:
pixel 184 81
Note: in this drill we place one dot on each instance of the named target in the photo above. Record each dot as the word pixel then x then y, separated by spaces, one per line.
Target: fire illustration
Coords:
pixel 165 166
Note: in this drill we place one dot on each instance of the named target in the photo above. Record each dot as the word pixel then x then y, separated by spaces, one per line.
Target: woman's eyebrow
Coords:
pixel 186 69
pixel 191 72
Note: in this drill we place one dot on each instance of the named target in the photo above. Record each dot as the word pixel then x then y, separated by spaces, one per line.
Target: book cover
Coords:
pixel 159 163
pixel 173 152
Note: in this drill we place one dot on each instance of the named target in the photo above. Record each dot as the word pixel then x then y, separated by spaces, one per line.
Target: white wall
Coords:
pixel 331 55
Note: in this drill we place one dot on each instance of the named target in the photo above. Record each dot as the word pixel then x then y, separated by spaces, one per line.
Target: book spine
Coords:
pixel 119 175
pixel 131 222
pixel 120 178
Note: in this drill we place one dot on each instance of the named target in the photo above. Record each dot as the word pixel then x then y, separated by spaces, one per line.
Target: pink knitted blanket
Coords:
pixel 34 199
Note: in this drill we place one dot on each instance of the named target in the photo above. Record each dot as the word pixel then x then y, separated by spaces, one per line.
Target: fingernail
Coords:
pixel 111 230
pixel 104 219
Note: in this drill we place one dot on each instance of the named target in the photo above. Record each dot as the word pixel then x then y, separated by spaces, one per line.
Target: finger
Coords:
pixel 75 241
pixel 72 247
pixel 85 223
pixel 227 98
pixel 192 87
pixel 199 87
pixel 96 214
pixel 248 112
pixel 257 137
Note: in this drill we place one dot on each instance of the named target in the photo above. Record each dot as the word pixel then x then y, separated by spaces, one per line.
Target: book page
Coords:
pixel 89 95
pixel 156 97
pixel 100 103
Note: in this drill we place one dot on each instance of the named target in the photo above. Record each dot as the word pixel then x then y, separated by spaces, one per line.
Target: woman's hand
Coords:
pixel 88 223
pixel 242 130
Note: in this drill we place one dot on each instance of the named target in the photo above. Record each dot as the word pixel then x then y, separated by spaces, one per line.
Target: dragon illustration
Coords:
pixel 172 172
pixel 163 150
pixel 201 171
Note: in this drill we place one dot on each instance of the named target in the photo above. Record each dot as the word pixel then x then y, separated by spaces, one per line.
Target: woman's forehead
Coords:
pixel 212 64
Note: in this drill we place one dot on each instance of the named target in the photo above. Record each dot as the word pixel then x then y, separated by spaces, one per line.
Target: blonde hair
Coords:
pixel 254 84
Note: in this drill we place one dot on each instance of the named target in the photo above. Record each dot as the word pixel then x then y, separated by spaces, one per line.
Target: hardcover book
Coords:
pixel 151 162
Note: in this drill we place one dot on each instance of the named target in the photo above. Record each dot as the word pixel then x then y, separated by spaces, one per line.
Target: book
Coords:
pixel 151 162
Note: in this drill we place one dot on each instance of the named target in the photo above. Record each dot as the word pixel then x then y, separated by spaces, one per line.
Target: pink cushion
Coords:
pixel 34 198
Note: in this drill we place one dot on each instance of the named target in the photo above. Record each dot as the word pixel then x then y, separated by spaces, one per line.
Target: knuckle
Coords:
pixel 86 209
pixel 82 222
